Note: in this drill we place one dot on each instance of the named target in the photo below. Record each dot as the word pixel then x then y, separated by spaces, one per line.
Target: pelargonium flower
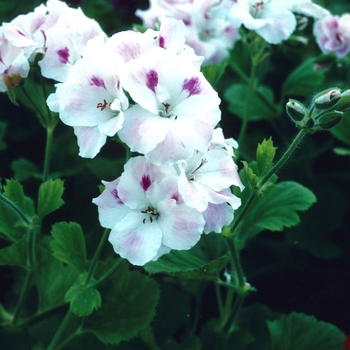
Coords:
pixel 272 20
pixel 203 176
pixel 91 99
pixel 65 42
pixel 209 36
pixel 55 30
pixel 176 110
pixel 145 213
pixel 333 34
pixel 14 65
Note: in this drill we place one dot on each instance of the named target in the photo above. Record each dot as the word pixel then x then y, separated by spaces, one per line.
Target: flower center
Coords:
pixel 151 214
pixel 257 7
pixel 191 176
pixel 166 113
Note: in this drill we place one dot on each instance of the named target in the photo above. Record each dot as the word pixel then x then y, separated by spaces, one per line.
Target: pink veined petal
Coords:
pixel 136 241
pixel 190 194
pixel 90 140
pixel 181 226
pixel 217 216
pixel 142 130
pixel 110 207
pixel 134 182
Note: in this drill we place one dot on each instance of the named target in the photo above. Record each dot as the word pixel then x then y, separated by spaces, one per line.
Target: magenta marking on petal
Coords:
pixel 162 42
pixel 145 182
pixel 176 196
pixel 97 82
pixel 193 86
pixel 114 193
pixel 20 33
pixel 63 55
pixel 152 80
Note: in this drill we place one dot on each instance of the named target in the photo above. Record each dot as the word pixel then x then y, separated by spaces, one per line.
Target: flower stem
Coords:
pixel 60 330
pixel 48 149
pixel 14 207
pixel 251 88
pixel 283 159
pixel 96 255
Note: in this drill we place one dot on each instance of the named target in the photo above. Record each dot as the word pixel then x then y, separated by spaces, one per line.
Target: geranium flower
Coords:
pixel 176 110
pixel 209 36
pixel 203 176
pixel 91 99
pixel 147 217
pixel 333 34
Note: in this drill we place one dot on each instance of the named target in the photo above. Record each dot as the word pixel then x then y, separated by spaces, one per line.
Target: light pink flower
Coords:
pixel 91 99
pixel 333 34
pixel 176 110
pixel 14 65
pixel 147 218
pixel 209 36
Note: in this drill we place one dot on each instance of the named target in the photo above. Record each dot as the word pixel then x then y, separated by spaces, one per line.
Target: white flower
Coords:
pixel 145 213
pixel 91 99
pixel 333 34
pixel 176 110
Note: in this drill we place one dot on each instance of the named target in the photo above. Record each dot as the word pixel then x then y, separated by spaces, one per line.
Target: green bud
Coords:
pixel 330 120
pixel 327 98
pixel 343 104
pixel 296 110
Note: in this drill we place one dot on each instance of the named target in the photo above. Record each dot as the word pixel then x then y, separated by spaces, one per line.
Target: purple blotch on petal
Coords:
pixel 63 55
pixel 114 193
pixel 162 42
pixel 152 80
pixel 193 86
pixel 97 82
pixel 145 182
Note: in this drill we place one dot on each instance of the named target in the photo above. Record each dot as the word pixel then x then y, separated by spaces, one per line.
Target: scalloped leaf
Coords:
pixel 68 244
pixel 303 332
pixel 50 196
pixel 15 254
pixel 265 154
pixel 83 300
pixel 129 302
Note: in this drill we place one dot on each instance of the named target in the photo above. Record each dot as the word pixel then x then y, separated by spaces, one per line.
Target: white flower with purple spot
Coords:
pixel 176 109
pixel 203 177
pixel 333 34
pixel 92 100
pixel 147 217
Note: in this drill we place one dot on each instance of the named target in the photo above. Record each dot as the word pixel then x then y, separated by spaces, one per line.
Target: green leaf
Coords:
pixel 261 106
pixel 68 244
pixel 25 169
pixel 278 209
pixel 83 300
pixel 11 223
pixel 129 302
pixel 304 80
pixel 265 154
pixel 52 280
pixel 50 193
pixel 213 72
pixel 302 332
pixel 13 190
pixel 2 133
pixel 192 264
pixel 15 254
pixel 342 130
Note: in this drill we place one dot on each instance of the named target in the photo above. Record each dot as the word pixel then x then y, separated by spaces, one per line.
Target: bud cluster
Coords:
pixel 326 110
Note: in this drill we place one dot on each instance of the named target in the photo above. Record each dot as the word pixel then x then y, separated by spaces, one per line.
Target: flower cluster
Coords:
pixel 54 30
pixel 273 20
pixel 209 36
pixel 333 34
pixel 147 88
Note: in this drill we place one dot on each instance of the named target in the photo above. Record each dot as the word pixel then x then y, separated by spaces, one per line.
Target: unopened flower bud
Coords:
pixel 327 98
pixel 343 104
pixel 330 120
pixel 296 110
